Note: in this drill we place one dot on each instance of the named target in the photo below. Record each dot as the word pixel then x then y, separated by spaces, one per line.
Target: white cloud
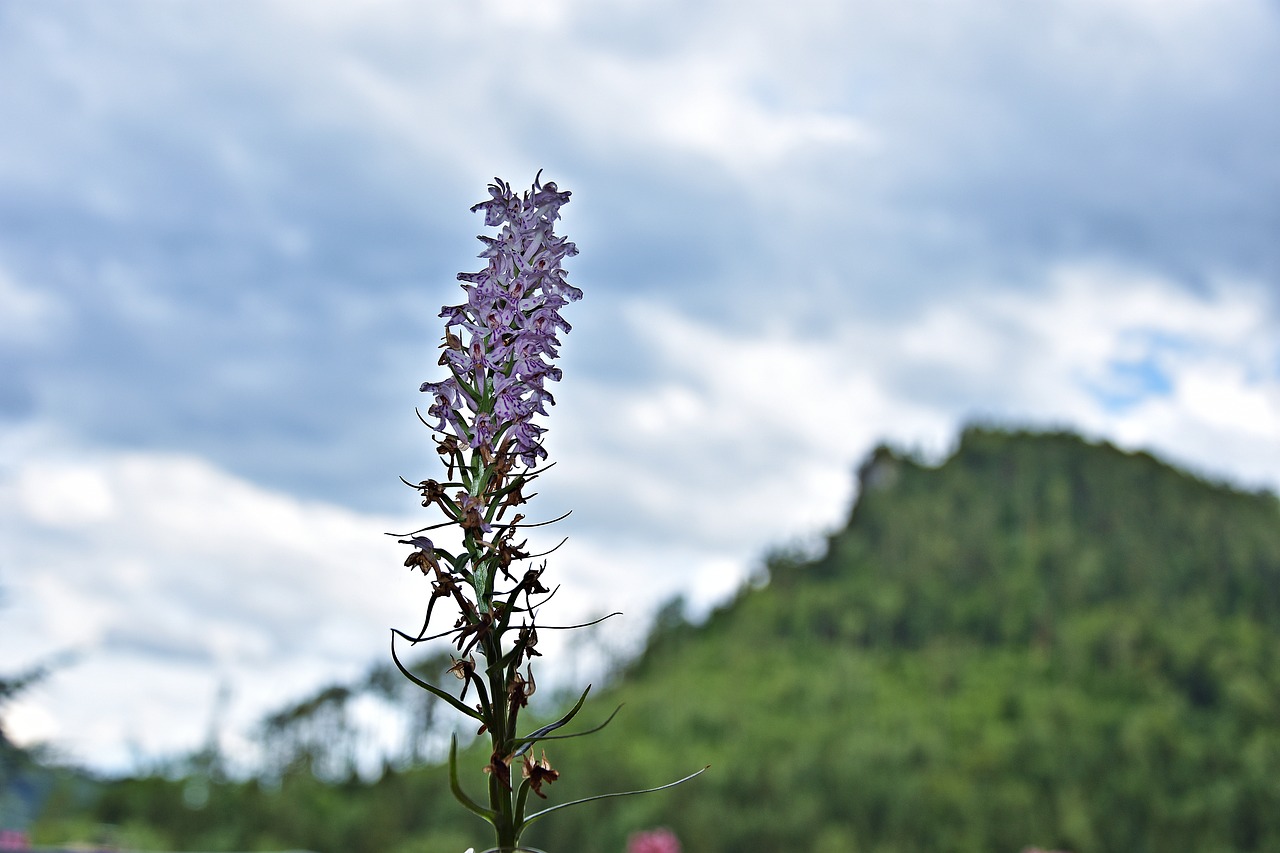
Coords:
pixel 64 496
pixel 747 440
pixel 703 105
pixel 1220 420
pixel 167 575
pixel 168 579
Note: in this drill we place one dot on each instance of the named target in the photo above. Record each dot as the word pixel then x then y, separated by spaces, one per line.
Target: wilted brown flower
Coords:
pixel 538 772
pixel 499 767
pixel 465 669
pixel 432 492
pixel 520 689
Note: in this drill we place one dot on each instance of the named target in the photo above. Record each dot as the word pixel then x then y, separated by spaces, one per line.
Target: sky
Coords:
pixel 227 229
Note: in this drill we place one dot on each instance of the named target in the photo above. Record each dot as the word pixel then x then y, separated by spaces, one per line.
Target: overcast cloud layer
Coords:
pixel 226 231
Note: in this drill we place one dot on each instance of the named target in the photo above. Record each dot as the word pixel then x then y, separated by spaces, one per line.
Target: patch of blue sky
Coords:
pixel 1129 383
pixel 1144 371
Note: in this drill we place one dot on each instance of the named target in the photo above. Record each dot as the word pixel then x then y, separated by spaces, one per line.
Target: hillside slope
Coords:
pixel 1041 641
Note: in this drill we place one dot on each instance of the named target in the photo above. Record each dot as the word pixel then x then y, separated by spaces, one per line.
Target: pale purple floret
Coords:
pixel 422 543
pixel 507 326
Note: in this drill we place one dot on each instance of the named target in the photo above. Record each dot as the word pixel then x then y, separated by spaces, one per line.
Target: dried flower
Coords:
pixel 465 669
pixel 539 772
pixel 425 557
pixel 499 767
pixel 520 688
pixel 432 492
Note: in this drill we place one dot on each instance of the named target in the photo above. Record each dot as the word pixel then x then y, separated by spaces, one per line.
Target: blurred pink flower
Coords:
pixel 653 841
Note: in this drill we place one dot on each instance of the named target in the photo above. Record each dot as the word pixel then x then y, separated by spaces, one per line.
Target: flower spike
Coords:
pixel 498 352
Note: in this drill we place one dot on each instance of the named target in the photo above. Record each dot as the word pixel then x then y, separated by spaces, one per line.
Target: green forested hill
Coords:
pixel 1041 642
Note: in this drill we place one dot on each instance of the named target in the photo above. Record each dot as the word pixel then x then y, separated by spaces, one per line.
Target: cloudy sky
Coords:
pixel 226 230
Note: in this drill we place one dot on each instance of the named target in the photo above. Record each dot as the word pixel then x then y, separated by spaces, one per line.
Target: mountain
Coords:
pixel 1040 642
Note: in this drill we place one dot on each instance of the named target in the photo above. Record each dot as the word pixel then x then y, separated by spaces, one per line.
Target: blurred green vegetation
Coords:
pixel 1041 641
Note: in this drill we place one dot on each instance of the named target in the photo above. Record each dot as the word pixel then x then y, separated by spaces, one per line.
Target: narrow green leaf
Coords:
pixel 522 797
pixel 535 736
pixel 460 795
pixel 532 739
pixel 531 818
pixel 470 712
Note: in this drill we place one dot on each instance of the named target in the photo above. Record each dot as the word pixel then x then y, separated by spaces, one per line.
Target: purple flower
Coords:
pixel 444 409
pixel 528 444
pixel 483 431
pixel 504 334
pixel 510 407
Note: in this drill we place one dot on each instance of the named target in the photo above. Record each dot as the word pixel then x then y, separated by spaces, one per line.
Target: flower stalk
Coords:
pixel 499 347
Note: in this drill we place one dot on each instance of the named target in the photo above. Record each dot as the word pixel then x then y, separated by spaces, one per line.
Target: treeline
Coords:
pixel 1040 642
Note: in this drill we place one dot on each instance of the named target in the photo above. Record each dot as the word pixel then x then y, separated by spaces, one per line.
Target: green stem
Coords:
pixel 501 799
